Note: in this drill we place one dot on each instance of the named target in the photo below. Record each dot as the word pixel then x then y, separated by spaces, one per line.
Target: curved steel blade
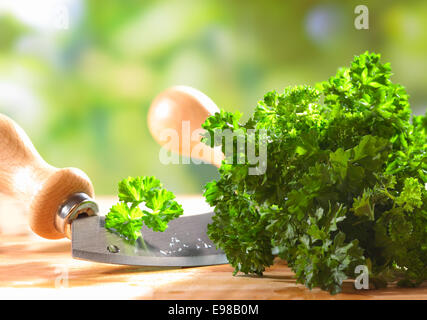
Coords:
pixel 183 244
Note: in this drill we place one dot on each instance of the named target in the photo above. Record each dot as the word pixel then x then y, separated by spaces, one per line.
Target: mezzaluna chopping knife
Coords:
pixel 60 202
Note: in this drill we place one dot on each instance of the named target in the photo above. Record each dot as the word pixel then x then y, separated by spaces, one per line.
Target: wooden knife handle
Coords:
pixel 179 104
pixel 41 188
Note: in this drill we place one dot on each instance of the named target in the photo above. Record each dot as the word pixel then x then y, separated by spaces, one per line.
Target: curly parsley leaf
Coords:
pixel 142 201
pixel 345 182
pixel 411 196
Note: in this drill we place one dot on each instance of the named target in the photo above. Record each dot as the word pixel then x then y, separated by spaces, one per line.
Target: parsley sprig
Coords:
pixel 143 200
pixel 345 183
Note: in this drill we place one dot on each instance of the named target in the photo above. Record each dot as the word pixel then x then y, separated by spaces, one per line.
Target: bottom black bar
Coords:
pixel 221 309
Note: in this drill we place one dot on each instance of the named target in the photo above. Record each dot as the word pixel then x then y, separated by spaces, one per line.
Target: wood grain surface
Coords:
pixel 36 268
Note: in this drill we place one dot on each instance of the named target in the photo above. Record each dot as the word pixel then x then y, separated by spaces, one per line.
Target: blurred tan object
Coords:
pixel 182 110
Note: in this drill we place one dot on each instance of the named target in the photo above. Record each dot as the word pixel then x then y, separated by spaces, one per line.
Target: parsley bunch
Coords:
pixel 127 217
pixel 345 183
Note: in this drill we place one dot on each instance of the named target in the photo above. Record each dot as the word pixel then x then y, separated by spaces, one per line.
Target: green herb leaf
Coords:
pixel 344 185
pixel 127 218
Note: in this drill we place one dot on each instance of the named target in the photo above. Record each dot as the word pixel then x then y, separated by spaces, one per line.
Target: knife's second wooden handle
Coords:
pixel 41 188
pixel 171 109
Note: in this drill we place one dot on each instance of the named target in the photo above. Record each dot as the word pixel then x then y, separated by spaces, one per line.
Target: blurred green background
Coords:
pixel 81 88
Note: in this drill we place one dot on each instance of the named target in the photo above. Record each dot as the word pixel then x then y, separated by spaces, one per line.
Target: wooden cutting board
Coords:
pixel 35 268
